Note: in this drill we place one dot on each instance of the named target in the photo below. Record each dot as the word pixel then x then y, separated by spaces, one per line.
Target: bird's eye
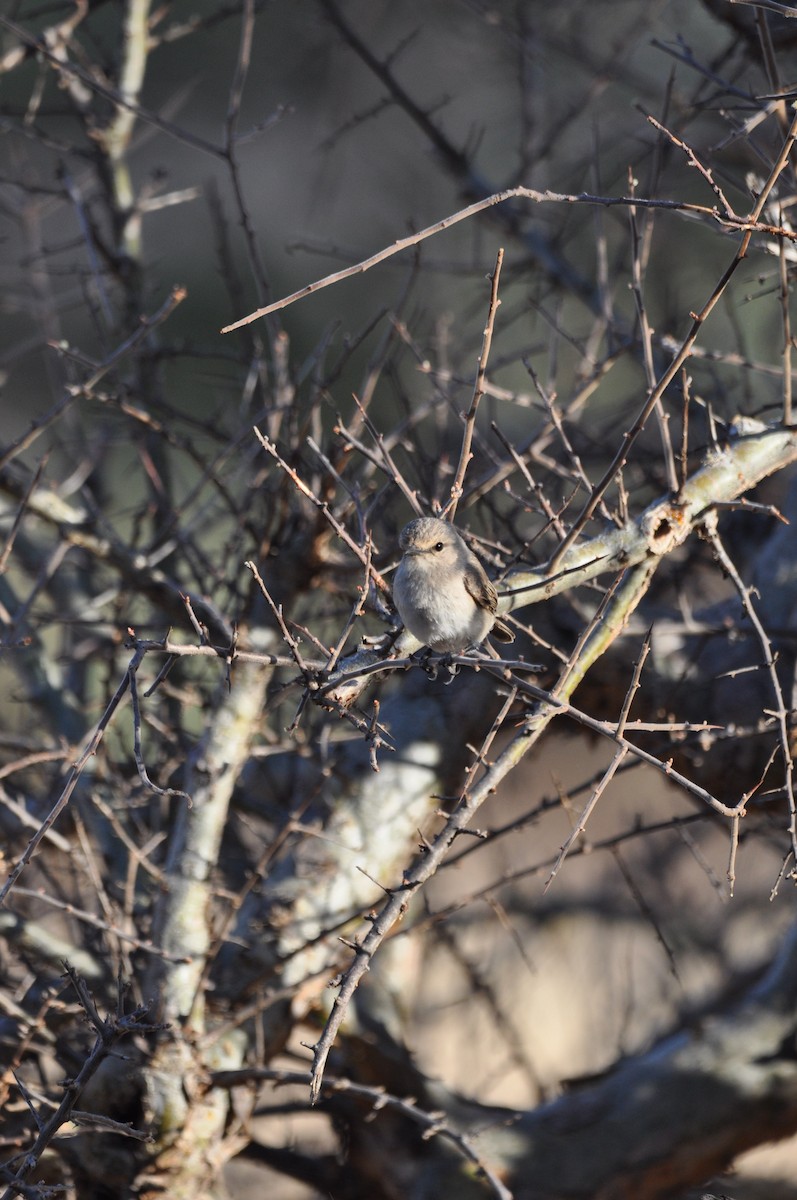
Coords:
pixel 439 547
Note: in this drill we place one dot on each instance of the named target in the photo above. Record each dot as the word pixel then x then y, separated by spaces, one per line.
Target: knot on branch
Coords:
pixel 664 527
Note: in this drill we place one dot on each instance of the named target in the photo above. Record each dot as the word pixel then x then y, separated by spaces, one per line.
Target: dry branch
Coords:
pixel 670 1119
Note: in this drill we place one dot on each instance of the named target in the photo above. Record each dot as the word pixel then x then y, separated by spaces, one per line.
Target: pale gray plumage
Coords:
pixel 441 590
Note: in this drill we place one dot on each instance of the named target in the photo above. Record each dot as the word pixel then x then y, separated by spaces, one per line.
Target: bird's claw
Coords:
pixel 433 663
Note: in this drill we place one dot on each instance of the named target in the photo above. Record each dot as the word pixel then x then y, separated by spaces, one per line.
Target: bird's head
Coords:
pixel 432 539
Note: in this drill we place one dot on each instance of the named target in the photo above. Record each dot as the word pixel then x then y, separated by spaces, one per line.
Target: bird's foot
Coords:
pixel 451 667
pixel 433 663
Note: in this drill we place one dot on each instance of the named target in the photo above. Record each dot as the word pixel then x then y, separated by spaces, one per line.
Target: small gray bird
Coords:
pixel 441 590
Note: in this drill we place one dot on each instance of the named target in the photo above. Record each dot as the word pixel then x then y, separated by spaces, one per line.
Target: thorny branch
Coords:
pixel 108 1033
pixel 433 1124
pixel 781 711
pixel 589 648
pixel 394 908
pixel 465 453
pixel 316 535
pixel 72 780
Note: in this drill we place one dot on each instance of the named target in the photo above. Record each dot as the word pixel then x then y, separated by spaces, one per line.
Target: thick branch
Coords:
pixel 675 1116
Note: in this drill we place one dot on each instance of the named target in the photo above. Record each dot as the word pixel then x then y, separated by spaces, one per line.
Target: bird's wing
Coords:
pixel 479 586
pixel 485 595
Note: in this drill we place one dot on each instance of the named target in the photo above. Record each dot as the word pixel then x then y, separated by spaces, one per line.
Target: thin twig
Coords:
pixel 287 636
pixel 14 530
pixel 695 162
pixel 71 70
pixel 144 331
pixel 432 1123
pixel 424 867
pixel 139 757
pixel 189 650
pixel 74 776
pixel 465 454
pixel 322 505
pixel 746 225
pixel 781 711
pixel 610 771
pixel 680 357
pixel 108 1033
pixel 788 340
pixel 646 334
